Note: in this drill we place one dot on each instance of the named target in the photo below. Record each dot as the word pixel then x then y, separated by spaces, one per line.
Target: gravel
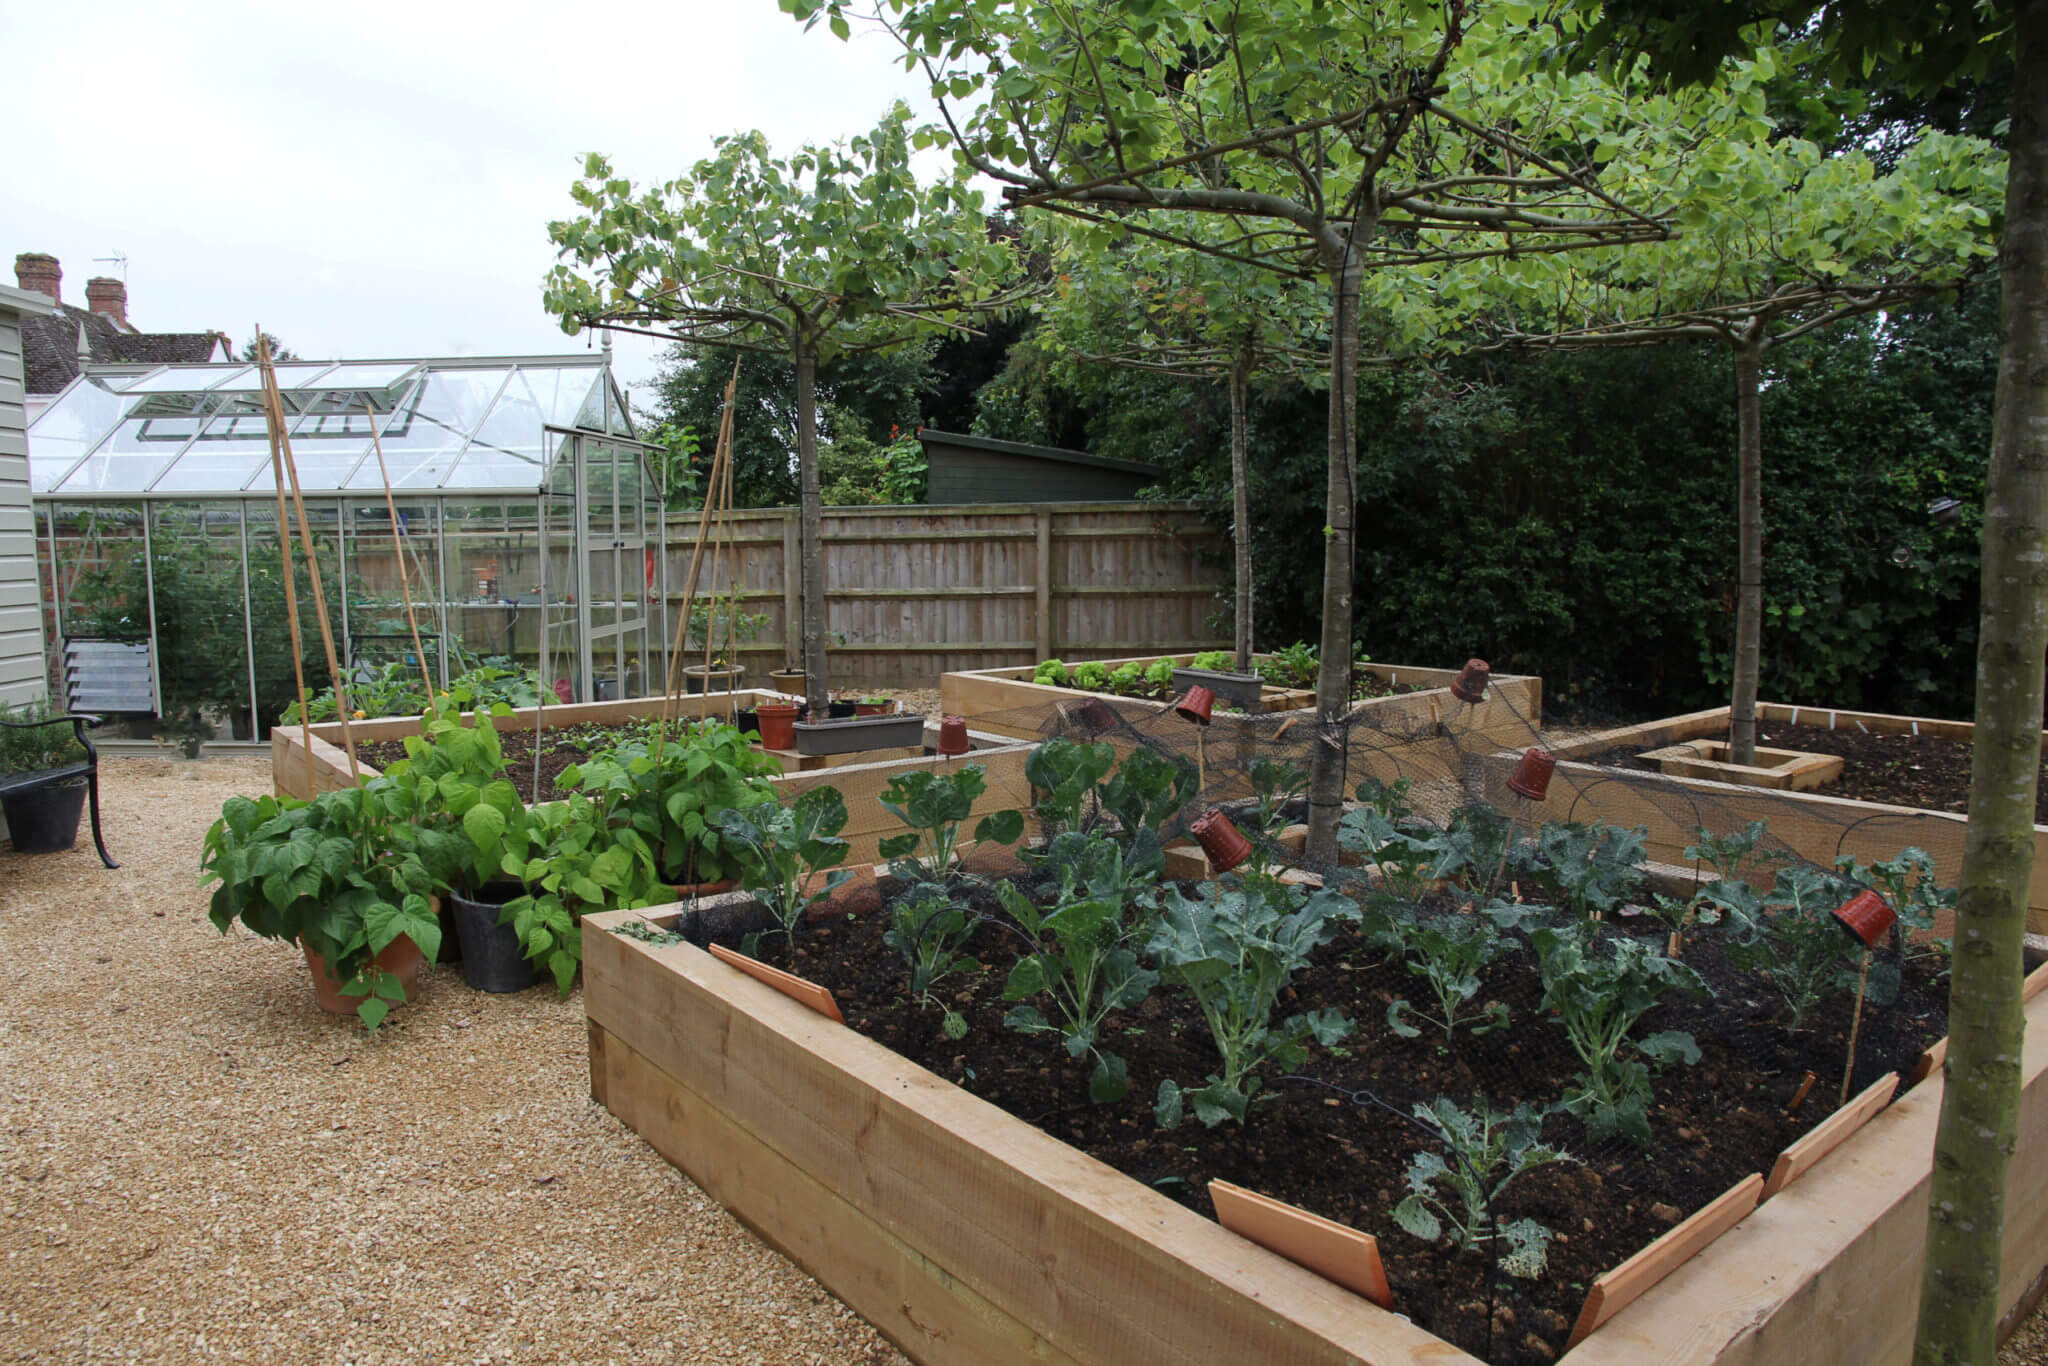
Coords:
pixel 195 1164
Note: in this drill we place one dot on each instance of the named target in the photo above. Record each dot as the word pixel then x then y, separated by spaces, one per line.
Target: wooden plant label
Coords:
pixel 1330 1249
pixel 788 983
pixel 1831 1133
pixel 1621 1287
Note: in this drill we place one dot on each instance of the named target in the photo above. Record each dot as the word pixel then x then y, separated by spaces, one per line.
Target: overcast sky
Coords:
pixel 375 179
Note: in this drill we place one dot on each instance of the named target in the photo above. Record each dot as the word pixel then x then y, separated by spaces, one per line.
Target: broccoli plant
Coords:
pixel 784 849
pixel 1789 936
pixel 1485 1150
pixel 1447 952
pixel 930 929
pixel 1064 775
pixel 935 806
pixel 1083 961
pixel 1275 783
pixel 1907 882
pixel 1403 858
pixel 1587 870
pixel 1600 996
pixel 1734 853
pixel 1235 951
pixel 1389 799
pixel 1148 791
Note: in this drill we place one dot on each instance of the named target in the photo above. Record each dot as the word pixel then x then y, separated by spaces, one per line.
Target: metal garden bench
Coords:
pixel 87 768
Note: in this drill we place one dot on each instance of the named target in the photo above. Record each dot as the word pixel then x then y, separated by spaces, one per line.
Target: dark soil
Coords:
pixel 1337 1139
pixel 1919 771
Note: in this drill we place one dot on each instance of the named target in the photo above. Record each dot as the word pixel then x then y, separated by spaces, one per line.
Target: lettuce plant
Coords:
pixel 1083 960
pixel 1601 988
pixel 1159 674
pixel 1092 675
pixel 1484 1151
pixel 1235 951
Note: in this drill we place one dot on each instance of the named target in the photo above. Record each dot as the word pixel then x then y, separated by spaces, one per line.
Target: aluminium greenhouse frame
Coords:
pixel 528 520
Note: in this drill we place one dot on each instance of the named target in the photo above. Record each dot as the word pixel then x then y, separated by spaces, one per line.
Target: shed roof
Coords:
pixel 931 436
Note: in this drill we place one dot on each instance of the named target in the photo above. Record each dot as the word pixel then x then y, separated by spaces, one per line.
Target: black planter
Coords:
pixel 44 820
pixel 854 734
pixel 748 720
pixel 492 959
pixel 1244 690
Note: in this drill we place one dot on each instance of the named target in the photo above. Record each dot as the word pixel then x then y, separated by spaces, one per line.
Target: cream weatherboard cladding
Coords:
pixel 21 623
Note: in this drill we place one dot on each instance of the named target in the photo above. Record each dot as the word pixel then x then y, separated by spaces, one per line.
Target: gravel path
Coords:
pixel 195 1164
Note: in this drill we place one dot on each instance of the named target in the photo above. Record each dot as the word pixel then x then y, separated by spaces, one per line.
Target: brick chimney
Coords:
pixel 103 295
pixel 34 270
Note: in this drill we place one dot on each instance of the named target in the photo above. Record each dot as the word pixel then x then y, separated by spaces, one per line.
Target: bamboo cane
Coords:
pixel 291 591
pixel 398 553
pixel 291 469
pixel 722 454
pixel 1855 1026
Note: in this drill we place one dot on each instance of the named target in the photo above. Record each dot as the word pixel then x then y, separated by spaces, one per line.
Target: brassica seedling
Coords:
pixel 1235 951
pixel 784 849
pixel 1448 952
pixel 1484 1151
pixel 930 929
pixel 935 806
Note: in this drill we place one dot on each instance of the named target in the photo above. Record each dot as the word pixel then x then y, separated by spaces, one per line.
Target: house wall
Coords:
pixel 21 626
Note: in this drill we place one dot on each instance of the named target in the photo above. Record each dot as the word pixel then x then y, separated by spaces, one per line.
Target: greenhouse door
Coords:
pixel 615 571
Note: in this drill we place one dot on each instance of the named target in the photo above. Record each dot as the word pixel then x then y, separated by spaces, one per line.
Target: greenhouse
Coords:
pixel 507 496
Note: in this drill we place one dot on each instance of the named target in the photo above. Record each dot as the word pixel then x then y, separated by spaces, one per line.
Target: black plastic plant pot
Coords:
pixel 44 820
pixel 492 959
pixel 1242 690
pixel 857 733
pixel 748 720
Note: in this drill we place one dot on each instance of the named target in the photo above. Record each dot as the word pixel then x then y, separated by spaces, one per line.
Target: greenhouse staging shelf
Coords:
pixel 966 1235
pixel 859 776
pixel 1815 825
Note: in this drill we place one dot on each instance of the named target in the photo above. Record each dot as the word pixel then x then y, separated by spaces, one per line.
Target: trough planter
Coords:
pixel 859 733
pixel 1243 690
pixel 968 1236
pixel 1815 825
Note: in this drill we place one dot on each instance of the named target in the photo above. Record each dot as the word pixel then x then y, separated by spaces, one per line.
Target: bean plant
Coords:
pixel 930 929
pixel 1083 960
pixel 1484 1151
pixel 1234 950
pixel 1601 989
pixel 935 806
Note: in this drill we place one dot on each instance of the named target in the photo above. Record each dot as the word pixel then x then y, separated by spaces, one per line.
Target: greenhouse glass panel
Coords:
pixel 195 560
pixel 506 450
pixel 561 391
pixel 70 427
pixel 142 445
pixel 191 379
pixel 227 453
pixel 270 622
pixel 365 376
pixel 427 434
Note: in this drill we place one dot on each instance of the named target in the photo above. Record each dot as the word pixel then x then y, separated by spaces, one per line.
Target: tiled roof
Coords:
pixel 50 346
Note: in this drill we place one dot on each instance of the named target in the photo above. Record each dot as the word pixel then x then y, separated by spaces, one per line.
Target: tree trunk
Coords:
pixel 1240 508
pixel 1333 677
pixel 808 532
pixel 1980 1103
pixel 1749 554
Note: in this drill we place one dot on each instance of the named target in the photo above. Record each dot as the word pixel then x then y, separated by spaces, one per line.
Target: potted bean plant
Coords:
pixel 42 817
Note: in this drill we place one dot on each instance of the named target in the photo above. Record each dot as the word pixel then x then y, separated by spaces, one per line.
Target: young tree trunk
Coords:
pixel 1749 554
pixel 1333 678
pixel 1240 508
pixel 808 532
pixel 1980 1104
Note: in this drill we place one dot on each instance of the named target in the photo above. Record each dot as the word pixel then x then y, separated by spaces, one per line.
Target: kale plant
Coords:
pixel 1484 1151
pixel 1275 783
pixel 1907 882
pixel 1064 775
pixel 1235 951
pixel 1731 854
pixel 1404 857
pixel 1448 952
pixel 1389 799
pixel 1600 996
pixel 1148 791
pixel 1083 960
pixel 1789 936
pixel 930 929
pixel 935 806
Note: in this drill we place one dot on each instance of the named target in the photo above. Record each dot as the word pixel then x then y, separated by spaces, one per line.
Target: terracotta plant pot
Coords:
pixel 401 956
pixel 1532 776
pixel 1470 684
pixel 953 740
pixel 1867 916
pixel 1196 705
pixel 1225 845
pixel 778 724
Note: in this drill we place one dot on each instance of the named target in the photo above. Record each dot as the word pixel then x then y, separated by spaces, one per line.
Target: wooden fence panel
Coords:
pixel 914 592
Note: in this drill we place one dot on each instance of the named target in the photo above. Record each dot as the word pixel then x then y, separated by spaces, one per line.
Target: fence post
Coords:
pixel 792 590
pixel 1043 584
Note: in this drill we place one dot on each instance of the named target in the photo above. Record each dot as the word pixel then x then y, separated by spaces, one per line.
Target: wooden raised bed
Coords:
pixel 860 777
pixel 1816 826
pixel 968 1236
